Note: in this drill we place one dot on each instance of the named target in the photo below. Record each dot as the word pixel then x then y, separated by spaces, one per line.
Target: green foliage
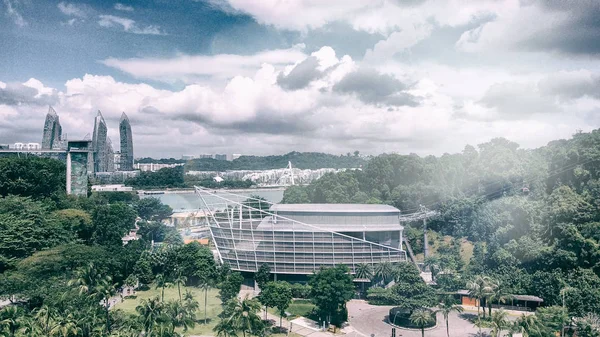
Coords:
pixel 230 286
pixel 300 290
pixel 196 262
pixel 151 209
pixel 276 295
pixel 263 275
pixel 305 160
pixel 331 288
pixel 295 195
pixel 26 228
pixel 34 177
pixel 168 177
pixel 111 223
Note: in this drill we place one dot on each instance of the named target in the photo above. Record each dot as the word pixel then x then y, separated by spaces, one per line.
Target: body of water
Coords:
pixel 189 200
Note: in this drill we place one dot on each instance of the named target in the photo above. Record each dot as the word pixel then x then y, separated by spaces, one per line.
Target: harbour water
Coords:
pixel 188 200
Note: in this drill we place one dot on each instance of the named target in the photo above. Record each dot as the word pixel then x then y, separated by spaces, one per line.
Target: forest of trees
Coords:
pixel 533 215
pixel 175 177
pixel 301 160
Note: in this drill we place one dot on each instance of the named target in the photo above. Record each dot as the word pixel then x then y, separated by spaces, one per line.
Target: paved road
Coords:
pixel 368 319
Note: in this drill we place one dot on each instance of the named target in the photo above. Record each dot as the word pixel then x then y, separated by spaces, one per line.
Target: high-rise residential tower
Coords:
pixel 100 144
pixel 126 144
pixel 52 130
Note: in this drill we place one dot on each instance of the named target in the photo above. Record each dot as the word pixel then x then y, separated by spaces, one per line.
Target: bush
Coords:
pixel 401 317
pixel 300 290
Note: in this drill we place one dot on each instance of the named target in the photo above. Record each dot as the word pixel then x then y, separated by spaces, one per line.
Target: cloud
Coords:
pixel 571 85
pixel 71 9
pixel 128 25
pixel 373 87
pixel 13 12
pixel 193 68
pixel 565 27
pixel 31 92
pixel 121 7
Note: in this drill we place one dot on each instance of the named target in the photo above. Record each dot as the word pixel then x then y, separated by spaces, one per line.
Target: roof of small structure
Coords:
pixel 528 298
pixel 334 208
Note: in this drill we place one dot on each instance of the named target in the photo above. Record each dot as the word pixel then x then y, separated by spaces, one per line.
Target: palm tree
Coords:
pixel 225 328
pixel 11 318
pixel 527 325
pixel 206 283
pixel 499 322
pixel 30 326
pixel 420 318
pixel 44 317
pixel 244 314
pixel 384 271
pixel 497 293
pixel 479 289
pixel 363 271
pixel 85 278
pixel 180 316
pixel 149 311
pixel 446 308
pixel 179 281
pixel 65 326
pixel 106 290
pixel 161 282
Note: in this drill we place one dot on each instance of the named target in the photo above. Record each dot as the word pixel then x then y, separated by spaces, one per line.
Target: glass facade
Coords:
pixel 289 246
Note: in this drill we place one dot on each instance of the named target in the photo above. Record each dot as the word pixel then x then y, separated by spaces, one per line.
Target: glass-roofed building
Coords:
pixel 300 238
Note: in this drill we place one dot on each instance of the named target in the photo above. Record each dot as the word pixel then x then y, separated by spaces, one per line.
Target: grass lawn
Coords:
pixel 296 309
pixel 213 306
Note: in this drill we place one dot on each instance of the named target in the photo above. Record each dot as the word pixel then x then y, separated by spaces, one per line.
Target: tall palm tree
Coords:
pixel 497 293
pixel 180 316
pixel 149 311
pixel 206 282
pixel 225 328
pixel 499 322
pixel 44 316
pixel 65 326
pixel 479 289
pixel 106 290
pixel 244 314
pixel 421 318
pixel 446 308
pixel 363 271
pixel 11 318
pixel 85 278
pixel 179 281
pixel 30 326
pixel 384 271
pixel 162 283
pixel 528 325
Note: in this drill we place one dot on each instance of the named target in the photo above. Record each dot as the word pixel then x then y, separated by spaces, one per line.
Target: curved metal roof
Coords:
pixel 334 208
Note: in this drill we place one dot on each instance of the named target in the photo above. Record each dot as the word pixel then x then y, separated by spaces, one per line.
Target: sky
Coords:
pixel 268 77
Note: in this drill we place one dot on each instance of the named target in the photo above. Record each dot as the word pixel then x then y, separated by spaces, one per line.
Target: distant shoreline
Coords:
pixel 191 190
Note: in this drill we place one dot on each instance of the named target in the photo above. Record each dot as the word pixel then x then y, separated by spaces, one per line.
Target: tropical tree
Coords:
pixel 106 290
pixel 528 326
pixel 479 288
pixel 11 319
pixel 421 318
pixel 330 289
pixel 162 283
pixel 499 322
pixel 363 271
pixel 263 275
pixel 179 281
pixel 85 278
pixel 446 308
pixel 207 281
pixel 44 317
pixel 243 314
pixel 65 326
pixel 149 310
pixel 384 271
pixel 497 293
pixel 225 328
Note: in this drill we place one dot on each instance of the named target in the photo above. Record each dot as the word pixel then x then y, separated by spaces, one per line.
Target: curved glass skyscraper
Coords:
pixel 126 143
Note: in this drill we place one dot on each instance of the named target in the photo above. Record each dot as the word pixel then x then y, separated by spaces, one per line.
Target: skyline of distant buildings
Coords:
pixel 105 159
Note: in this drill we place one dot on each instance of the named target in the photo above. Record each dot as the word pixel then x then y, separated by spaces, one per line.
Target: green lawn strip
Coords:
pixel 297 309
pixel 213 306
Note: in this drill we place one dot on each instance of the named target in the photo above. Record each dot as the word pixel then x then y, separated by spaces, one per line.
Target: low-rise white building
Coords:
pixel 112 188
